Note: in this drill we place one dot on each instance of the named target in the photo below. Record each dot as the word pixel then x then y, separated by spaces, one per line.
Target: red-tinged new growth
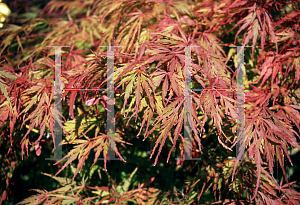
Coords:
pixel 149 77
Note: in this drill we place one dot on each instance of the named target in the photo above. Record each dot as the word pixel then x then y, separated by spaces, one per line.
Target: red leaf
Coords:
pixel 91 102
pixel 38 149
pixel 267 75
pixel 165 89
pixel 142 51
pixel 71 103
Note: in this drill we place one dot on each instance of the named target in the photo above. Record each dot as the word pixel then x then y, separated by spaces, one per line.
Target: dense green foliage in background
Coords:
pixel 149 102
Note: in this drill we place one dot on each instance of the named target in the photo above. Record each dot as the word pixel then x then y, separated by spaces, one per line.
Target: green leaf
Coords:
pixel 125 187
pixel 297 92
pixel 4 91
pixel 63 181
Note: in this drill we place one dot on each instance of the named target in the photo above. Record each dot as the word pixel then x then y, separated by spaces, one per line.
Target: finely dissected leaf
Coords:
pixel 72 101
pixel 127 182
pixel 4 91
pixel 147 88
pixel 165 89
pixel 128 91
pixel 149 74
pixel 61 179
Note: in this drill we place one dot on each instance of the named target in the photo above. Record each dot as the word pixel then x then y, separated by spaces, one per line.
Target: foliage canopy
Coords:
pixel 149 87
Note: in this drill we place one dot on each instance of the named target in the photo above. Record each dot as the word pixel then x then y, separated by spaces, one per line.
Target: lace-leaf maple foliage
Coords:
pixel 150 81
